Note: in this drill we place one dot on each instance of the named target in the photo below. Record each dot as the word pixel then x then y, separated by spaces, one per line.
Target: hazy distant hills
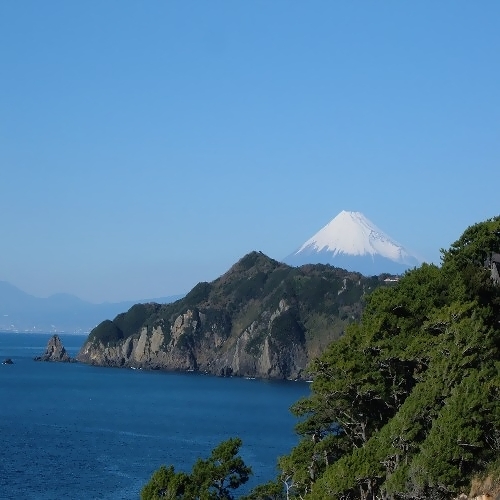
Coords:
pixel 20 311
pixel 351 241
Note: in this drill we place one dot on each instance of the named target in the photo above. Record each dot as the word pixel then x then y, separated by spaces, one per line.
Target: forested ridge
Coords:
pixel 406 404
pixel 261 318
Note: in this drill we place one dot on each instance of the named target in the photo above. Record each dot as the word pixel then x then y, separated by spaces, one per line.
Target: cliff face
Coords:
pixel 261 319
pixel 194 344
pixel 484 488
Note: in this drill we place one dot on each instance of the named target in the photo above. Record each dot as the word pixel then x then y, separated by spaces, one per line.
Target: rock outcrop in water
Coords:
pixel 55 351
pixel 261 319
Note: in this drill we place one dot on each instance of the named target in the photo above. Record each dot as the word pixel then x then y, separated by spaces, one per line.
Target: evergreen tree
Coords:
pixel 212 479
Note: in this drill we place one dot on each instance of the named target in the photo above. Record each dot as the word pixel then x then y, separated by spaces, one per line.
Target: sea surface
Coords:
pixel 69 430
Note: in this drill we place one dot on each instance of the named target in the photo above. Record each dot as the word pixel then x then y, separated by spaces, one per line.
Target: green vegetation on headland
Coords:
pixel 406 404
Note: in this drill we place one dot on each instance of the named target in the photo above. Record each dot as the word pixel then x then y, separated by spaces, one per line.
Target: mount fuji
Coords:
pixel 353 242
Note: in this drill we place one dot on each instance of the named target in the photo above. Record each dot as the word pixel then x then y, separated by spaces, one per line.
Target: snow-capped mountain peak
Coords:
pixel 352 241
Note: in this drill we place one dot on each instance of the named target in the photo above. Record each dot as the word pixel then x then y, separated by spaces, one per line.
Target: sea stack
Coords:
pixel 55 351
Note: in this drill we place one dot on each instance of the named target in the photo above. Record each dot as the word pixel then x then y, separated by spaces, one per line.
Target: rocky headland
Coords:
pixel 260 319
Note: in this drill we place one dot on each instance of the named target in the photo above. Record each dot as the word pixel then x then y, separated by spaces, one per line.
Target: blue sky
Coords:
pixel 146 146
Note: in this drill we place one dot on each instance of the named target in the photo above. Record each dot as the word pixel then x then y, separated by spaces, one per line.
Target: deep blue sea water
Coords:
pixel 81 432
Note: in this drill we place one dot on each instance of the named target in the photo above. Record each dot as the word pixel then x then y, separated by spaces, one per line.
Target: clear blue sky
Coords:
pixel 146 146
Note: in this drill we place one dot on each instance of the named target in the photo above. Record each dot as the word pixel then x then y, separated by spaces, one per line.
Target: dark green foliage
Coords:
pixel 223 472
pixel 124 325
pixel 107 333
pixel 273 490
pixel 198 294
pixel 185 342
pixel 286 328
pixel 255 344
pixel 474 246
pixel 212 479
pixel 166 484
pixel 247 277
pixel 276 279
pixel 252 260
pixel 130 322
pixel 249 288
pixel 407 403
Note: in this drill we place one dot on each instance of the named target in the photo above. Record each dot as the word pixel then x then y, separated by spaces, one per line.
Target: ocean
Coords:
pixel 69 430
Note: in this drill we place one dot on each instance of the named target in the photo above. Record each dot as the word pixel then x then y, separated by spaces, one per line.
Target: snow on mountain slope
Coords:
pixel 353 242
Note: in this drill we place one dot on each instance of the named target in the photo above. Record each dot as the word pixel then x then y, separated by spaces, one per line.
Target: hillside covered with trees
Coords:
pixel 406 404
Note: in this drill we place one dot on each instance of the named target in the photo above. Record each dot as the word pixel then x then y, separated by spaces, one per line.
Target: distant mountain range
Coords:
pixel 20 311
pixel 351 241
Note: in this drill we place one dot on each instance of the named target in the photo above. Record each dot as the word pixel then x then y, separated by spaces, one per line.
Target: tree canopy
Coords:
pixel 212 479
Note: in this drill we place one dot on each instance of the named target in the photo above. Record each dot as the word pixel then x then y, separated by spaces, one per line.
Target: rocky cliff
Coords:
pixel 55 351
pixel 260 319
